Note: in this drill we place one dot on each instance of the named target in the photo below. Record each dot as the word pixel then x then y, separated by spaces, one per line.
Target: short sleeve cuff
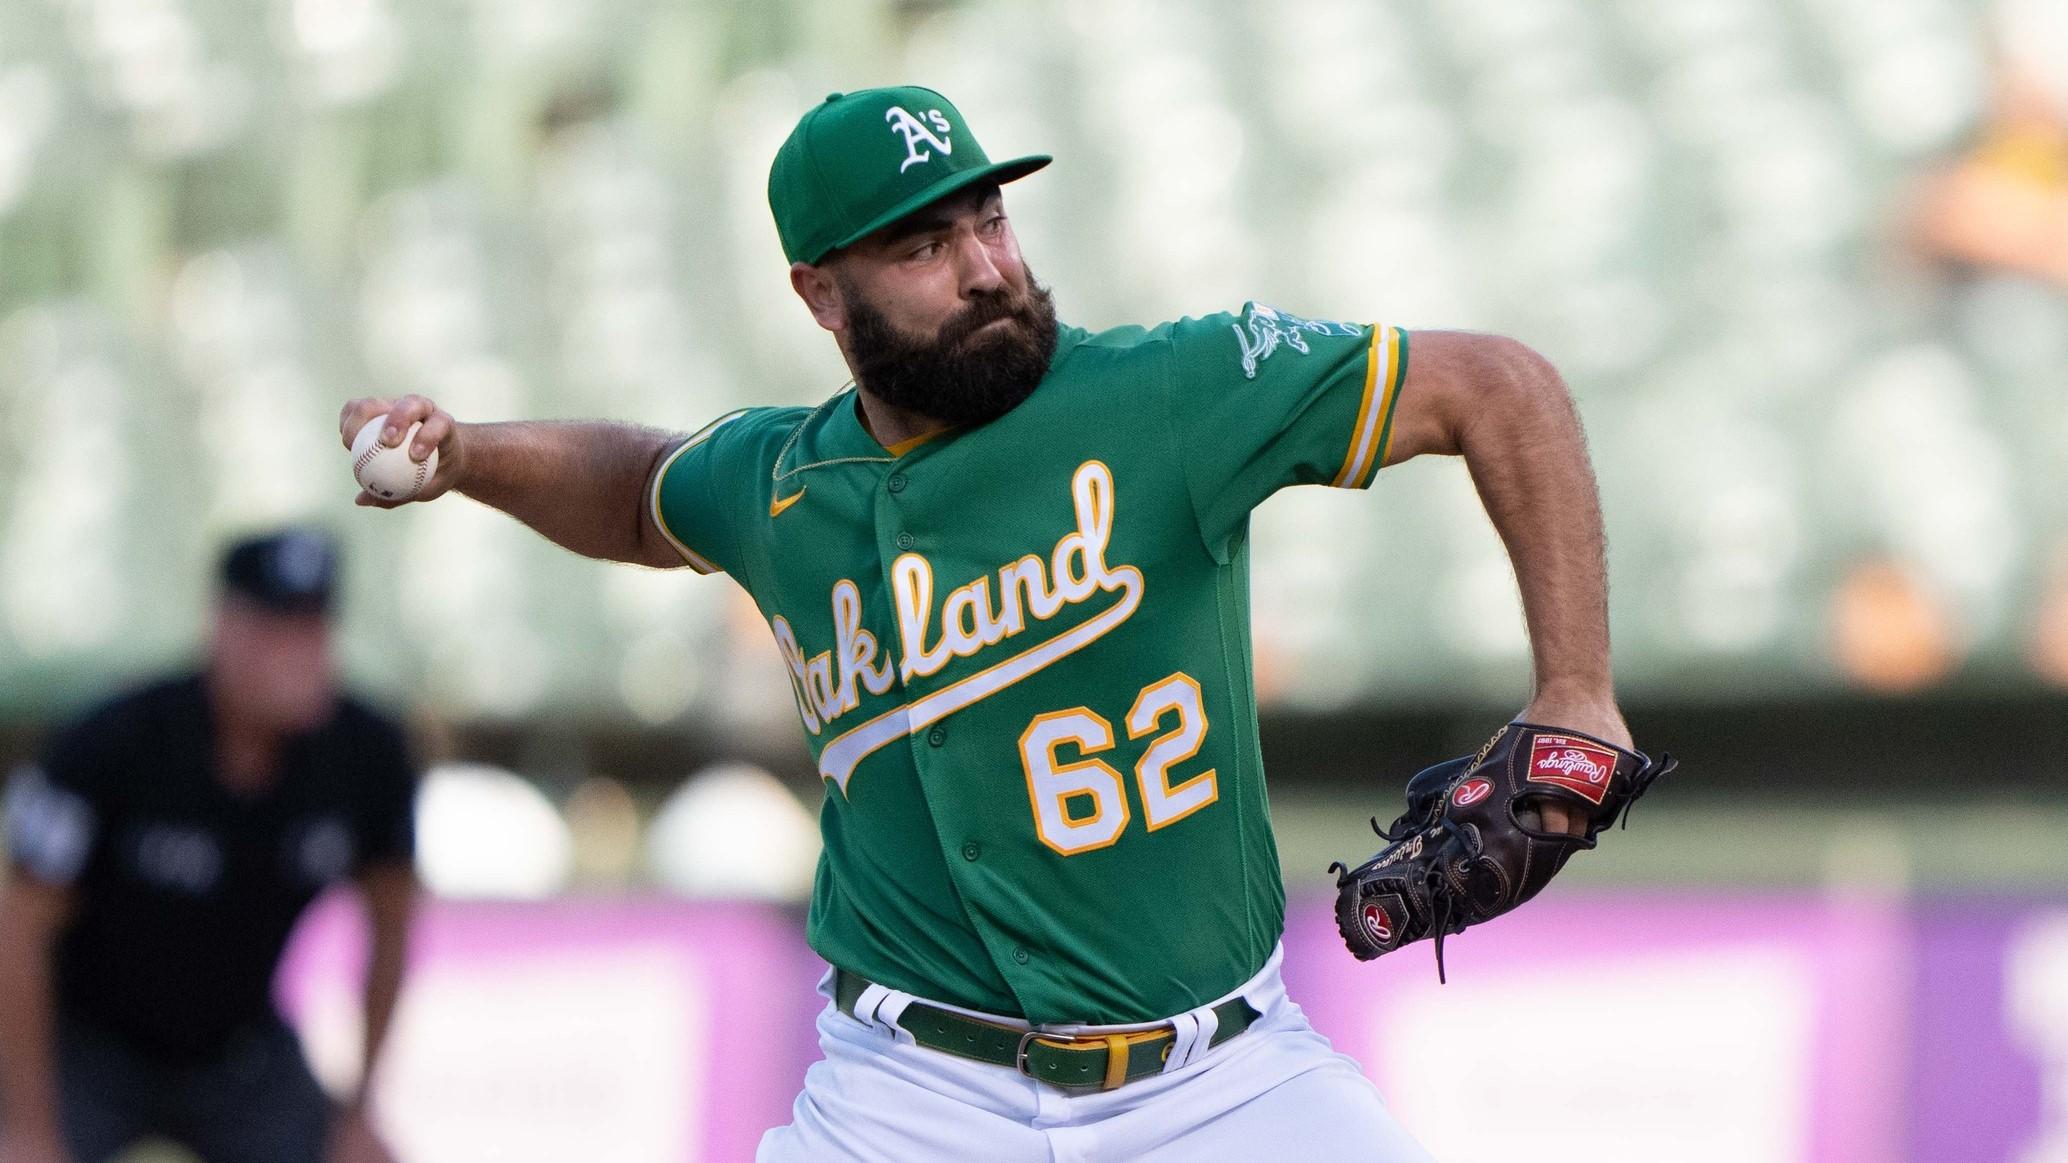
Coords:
pixel 1385 371
pixel 657 495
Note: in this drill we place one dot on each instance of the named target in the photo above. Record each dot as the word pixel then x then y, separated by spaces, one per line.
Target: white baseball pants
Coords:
pixel 1276 1092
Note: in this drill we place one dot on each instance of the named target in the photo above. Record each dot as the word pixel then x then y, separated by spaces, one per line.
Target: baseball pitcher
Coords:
pixel 1007 571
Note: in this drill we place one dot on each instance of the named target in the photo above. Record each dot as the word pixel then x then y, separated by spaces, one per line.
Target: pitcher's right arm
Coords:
pixel 582 484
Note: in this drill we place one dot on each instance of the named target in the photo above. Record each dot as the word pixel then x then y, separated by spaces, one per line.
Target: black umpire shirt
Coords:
pixel 186 890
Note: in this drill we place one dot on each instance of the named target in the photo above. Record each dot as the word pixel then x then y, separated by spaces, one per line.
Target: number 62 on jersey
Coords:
pixel 1093 788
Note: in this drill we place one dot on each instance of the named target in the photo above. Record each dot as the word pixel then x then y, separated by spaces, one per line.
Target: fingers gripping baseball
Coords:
pixel 412 455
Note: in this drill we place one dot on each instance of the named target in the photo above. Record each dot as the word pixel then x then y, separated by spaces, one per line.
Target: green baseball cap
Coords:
pixel 860 161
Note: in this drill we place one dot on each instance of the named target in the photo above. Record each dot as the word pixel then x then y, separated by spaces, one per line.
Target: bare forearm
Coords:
pixel 1528 459
pixel 28 1077
pixel 581 484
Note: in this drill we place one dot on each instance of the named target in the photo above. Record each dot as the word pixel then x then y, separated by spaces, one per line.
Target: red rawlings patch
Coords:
pixel 1377 924
pixel 1573 764
pixel 1471 792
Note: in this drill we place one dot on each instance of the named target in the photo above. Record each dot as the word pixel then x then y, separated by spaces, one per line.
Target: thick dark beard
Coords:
pixel 958 378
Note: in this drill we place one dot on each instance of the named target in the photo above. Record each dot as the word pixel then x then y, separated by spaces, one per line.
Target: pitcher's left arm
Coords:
pixel 1506 411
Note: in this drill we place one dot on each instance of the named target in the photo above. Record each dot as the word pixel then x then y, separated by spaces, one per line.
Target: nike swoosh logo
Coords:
pixel 776 507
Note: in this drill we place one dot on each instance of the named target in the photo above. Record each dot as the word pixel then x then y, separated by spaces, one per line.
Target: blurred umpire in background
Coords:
pixel 162 850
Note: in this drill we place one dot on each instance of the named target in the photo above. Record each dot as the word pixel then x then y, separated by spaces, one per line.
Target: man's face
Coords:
pixel 942 316
pixel 271 668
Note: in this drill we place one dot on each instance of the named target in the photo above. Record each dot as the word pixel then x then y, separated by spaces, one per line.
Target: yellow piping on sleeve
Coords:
pixel 1385 366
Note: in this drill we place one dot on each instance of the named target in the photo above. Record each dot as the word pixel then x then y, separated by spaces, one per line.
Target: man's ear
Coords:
pixel 821 295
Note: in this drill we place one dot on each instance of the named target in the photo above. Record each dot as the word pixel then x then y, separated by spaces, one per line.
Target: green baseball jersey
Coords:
pixel 1021 655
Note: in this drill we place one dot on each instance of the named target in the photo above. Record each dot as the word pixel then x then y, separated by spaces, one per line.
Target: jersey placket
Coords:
pixel 914 503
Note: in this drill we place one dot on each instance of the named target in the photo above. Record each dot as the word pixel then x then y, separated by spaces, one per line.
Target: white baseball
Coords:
pixel 388 473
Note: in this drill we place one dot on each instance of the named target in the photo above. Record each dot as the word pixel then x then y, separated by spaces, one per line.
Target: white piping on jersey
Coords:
pixel 697 561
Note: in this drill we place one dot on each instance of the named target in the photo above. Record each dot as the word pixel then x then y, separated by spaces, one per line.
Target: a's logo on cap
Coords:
pixel 908 127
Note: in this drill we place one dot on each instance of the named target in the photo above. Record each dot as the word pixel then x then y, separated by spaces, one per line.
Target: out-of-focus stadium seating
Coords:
pixel 1834 462
pixel 219 220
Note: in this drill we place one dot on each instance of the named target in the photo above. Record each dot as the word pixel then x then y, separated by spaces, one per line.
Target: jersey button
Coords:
pixel 937 736
pixel 1020 955
pixel 972 850
pixel 897 482
pixel 904 541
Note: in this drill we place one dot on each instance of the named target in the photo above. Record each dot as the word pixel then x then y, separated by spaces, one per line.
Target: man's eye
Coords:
pixel 994 223
pixel 926 251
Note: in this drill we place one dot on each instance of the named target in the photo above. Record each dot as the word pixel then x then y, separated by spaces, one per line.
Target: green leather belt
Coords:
pixel 1073 1062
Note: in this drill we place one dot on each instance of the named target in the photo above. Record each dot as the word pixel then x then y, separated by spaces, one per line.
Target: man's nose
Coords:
pixel 979 270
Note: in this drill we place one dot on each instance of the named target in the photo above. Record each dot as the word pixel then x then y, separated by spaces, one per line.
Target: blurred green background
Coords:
pixel 220 220
pixel 1794 257
pixel 1829 424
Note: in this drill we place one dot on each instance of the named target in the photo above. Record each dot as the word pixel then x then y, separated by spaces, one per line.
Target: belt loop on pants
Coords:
pixel 1084 1061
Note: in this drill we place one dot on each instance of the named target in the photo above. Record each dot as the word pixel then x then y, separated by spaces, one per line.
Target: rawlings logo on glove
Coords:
pixel 1579 764
pixel 1470 846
